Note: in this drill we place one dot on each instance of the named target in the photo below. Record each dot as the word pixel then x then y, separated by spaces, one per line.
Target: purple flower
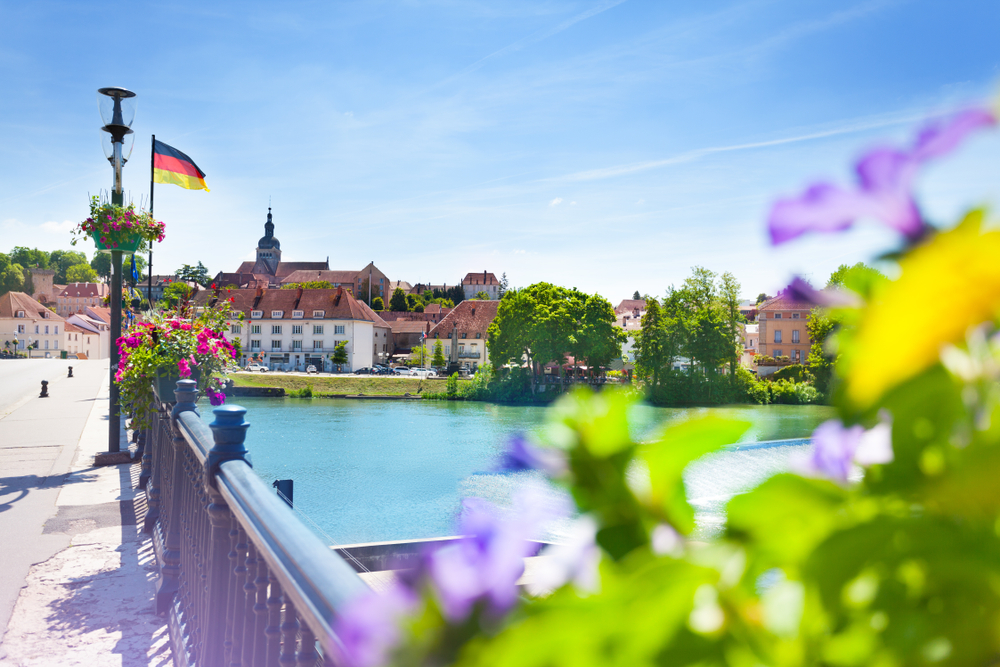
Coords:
pixel 215 397
pixel 576 560
pixel 835 448
pixel 368 627
pixel 521 454
pixel 183 368
pixel 802 292
pixel 885 179
pixel 486 565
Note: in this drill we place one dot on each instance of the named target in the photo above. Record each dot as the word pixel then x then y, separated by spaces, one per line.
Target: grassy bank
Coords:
pixel 367 385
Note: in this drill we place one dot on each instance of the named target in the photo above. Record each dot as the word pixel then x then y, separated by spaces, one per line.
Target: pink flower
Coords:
pixel 183 368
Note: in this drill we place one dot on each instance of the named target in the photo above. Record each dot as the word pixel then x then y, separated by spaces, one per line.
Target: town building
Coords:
pixel 26 323
pixel 751 338
pixel 92 332
pixel 356 281
pixel 44 289
pixel 474 283
pixel 782 328
pixel 75 297
pixel 463 333
pixel 267 266
pixel 290 329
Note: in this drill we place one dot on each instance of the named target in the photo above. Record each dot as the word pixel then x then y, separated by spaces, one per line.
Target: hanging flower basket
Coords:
pixel 125 242
pixel 166 381
pixel 119 228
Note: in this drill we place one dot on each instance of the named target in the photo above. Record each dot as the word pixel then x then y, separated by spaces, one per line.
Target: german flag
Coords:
pixel 172 166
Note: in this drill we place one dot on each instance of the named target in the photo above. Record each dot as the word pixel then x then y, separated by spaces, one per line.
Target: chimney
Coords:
pixel 298 294
pixel 484 276
pixel 260 292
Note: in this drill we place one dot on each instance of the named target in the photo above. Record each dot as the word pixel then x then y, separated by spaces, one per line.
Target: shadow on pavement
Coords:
pixel 24 484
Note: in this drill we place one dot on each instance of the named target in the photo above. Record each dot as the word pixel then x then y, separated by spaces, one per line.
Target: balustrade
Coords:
pixel 242 581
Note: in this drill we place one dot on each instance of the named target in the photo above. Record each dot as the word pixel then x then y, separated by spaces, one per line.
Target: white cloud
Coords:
pixel 64 227
pixel 640 202
pixel 572 203
pixel 556 201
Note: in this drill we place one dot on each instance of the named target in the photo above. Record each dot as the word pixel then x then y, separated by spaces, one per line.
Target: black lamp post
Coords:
pixel 117 106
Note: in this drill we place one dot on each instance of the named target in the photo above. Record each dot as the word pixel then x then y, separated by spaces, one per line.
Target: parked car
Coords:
pixel 367 370
pixel 311 369
pixel 402 370
pixel 424 373
pixel 256 368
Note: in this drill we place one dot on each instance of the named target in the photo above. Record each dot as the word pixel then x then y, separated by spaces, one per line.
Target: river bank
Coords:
pixel 339 386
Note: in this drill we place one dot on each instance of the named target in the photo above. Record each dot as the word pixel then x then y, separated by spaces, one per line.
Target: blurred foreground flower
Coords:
pixel 884 191
pixel 836 448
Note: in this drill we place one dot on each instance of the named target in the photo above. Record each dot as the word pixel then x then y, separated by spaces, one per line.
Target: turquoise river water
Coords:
pixel 374 470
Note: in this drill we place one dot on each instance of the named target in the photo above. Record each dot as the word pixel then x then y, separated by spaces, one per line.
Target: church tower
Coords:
pixel 268 248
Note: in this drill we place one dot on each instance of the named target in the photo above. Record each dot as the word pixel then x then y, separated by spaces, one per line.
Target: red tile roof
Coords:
pixel 334 277
pixel 286 268
pixel 11 302
pixel 471 317
pixel 337 304
pixel 483 278
pixel 629 305
pixel 88 290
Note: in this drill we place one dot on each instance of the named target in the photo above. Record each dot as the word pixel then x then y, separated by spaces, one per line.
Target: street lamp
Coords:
pixel 117 107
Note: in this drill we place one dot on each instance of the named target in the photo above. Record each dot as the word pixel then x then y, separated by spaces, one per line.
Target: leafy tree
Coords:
pixel 504 286
pixel 176 292
pixel 101 263
pixel 636 295
pixel 438 359
pixel 481 296
pixel 729 301
pixel 456 294
pixel 376 290
pixel 411 301
pixel 651 347
pixel 60 261
pixel 11 275
pixel 397 303
pixel 378 304
pixel 761 298
pixel 845 273
pixel 339 354
pixel 198 274
pixel 600 334
pixel 81 273
pixel 309 284
pixel 29 258
pixel 419 308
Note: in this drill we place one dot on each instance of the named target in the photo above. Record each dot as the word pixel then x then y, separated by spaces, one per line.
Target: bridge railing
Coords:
pixel 242 581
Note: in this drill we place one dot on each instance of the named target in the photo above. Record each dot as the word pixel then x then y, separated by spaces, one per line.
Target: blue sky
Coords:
pixel 602 144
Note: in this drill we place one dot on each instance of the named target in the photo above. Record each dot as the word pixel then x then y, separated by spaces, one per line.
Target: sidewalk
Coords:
pixel 88 600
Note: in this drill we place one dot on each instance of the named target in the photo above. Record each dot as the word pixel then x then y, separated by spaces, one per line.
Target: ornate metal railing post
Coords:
pixel 157 457
pixel 229 432
pixel 187 395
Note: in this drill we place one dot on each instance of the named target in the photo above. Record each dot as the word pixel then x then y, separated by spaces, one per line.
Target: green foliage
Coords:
pixel 378 304
pixel 340 353
pixel 11 275
pixel 411 301
pixel 636 296
pixel 852 276
pixel 61 261
pixel 545 323
pixel 419 308
pixel 304 392
pixel 452 387
pixel 438 359
pixel 793 373
pixel 761 298
pixel 309 284
pixel 81 273
pixel 175 293
pixel 397 302
pixel 197 274
pixel 29 258
pixel 790 392
pixel 504 286
pixel 481 296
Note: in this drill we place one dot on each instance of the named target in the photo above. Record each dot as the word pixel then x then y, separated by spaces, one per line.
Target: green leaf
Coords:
pixel 785 517
pixel 670 454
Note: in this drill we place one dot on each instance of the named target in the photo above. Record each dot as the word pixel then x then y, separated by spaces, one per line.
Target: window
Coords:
pixel 319 313
pixel 479 335
pixel 255 345
pixel 777 336
pixel 296 345
pixel 777 353
pixel 795 337
pixel 447 350
pixel 318 329
pixel 256 314
pixel 275 328
pixel 36 328
pixel 56 345
pixel 20 328
pixel 461 349
pixel 795 316
pixel 234 314
pixel 276 345
pixel 235 329
pixel 56 329
pixel 317 345
pixel 255 328
pixel 463 335
pixel 46 345
pixel 777 316
pixel 296 314
pixel 277 314
pixel 20 313
pixel 296 329
pixel 338 330
pixel 796 356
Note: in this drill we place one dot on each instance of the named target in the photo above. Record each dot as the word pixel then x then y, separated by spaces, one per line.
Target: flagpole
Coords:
pixel 149 269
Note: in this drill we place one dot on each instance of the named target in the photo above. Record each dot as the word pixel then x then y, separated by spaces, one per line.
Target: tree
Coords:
pixel 419 308
pixel 397 303
pixel 729 300
pixel 636 296
pixel 309 284
pixel 81 273
pixel 859 278
pixel 101 263
pixel 438 359
pixel 61 261
pixel 29 258
pixel 339 354
pixel 411 301
pixel 11 275
pixel 198 274
pixel 600 334
pixel 761 298
pixel 378 304
pixel 481 296
pixel 650 346
pixel 504 286
pixel 176 292
pixel 456 294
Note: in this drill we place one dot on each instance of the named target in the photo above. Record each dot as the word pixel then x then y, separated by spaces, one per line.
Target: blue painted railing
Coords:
pixel 241 580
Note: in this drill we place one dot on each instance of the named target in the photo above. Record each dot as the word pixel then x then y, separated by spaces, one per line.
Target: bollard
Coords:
pixel 45 389
pixel 70 372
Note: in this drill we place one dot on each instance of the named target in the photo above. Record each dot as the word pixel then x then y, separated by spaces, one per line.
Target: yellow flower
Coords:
pixel 946 286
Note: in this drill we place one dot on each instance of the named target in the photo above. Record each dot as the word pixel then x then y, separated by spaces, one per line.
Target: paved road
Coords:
pixel 38 440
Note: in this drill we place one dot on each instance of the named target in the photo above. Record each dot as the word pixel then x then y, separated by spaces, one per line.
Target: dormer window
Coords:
pixel 277 314
pixel 20 313
pixel 234 314
pixel 319 313
pixel 296 314
pixel 256 314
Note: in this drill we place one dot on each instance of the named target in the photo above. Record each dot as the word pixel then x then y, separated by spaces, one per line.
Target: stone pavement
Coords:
pixel 87 597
